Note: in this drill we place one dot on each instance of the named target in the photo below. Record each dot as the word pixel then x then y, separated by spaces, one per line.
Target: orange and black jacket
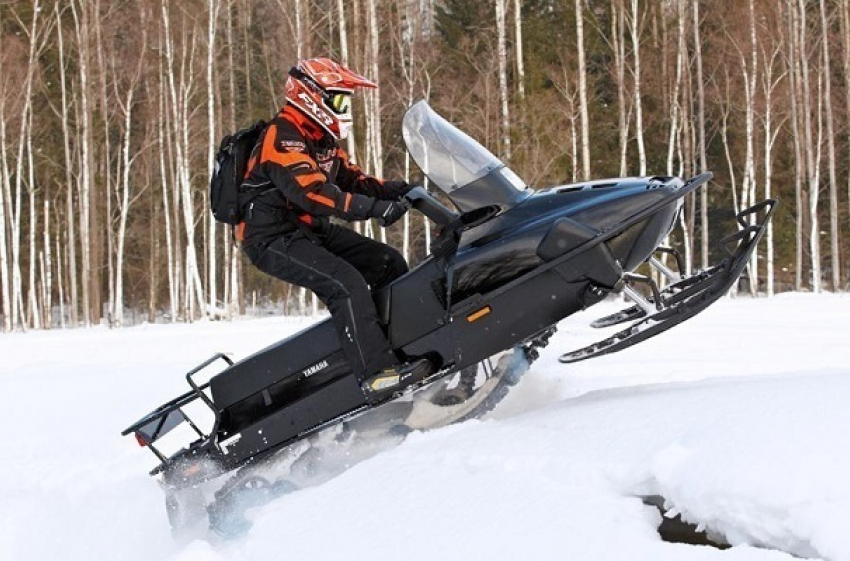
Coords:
pixel 298 174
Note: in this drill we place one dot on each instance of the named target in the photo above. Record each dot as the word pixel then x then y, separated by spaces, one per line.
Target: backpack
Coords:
pixel 231 164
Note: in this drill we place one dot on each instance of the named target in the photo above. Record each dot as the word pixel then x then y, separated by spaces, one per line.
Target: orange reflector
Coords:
pixel 140 440
pixel 479 314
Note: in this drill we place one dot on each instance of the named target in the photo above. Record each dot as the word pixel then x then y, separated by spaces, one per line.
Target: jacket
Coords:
pixel 299 173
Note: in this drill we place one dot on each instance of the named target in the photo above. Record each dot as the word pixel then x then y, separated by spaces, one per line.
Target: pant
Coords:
pixel 339 269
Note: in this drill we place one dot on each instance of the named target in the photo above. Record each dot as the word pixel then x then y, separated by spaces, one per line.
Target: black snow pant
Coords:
pixel 339 266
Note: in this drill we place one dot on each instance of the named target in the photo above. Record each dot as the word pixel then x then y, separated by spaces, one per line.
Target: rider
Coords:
pixel 298 177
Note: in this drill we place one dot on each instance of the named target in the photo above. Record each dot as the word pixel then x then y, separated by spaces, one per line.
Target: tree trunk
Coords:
pixel 502 54
pixel 793 55
pixel 211 148
pixel 582 93
pixel 24 139
pixel 812 165
pixel 124 205
pixel 5 207
pixel 770 135
pixel 173 277
pixel 61 284
pixel 181 123
pixel 47 272
pixel 69 182
pixel 677 84
pixel 520 63
pixel 105 160
pixel 5 203
pixel 374 95
pixel 845 36
pixel 703 158
pixel 618 37
pixel 32 288
pixel 82 32
pixel 233 280
pixel 835 248
pixel 749 181
pixel 635 28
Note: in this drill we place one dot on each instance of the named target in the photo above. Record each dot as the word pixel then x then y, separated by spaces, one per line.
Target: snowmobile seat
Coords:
pixel 275 364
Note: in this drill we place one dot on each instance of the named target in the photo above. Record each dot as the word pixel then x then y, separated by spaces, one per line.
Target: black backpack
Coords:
pixel 231 163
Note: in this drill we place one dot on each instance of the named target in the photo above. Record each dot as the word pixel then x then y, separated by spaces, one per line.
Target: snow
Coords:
pixel 738 418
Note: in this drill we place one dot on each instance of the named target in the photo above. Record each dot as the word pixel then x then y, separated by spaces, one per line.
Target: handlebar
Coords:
pixel 422 201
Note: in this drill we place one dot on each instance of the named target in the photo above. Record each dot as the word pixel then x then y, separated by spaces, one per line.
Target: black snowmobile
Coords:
pixel 507 264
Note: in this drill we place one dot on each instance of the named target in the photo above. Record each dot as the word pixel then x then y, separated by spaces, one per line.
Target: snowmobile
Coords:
pixel 506 265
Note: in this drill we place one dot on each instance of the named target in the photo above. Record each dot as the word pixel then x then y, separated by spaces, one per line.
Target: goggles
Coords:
pixel 338 102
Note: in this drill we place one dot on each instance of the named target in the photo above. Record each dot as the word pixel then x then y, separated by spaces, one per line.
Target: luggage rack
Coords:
pixel 169 416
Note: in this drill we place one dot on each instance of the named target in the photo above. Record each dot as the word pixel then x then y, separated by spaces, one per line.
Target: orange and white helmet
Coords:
pixel 321 89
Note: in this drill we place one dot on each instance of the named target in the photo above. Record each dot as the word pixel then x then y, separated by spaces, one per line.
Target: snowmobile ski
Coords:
pixel 684 299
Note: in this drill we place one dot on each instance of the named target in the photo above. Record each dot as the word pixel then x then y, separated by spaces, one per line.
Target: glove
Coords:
pixel 388 212
pixel 394 190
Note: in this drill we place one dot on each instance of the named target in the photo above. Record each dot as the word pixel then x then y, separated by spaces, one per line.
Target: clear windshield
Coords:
pixel 448 156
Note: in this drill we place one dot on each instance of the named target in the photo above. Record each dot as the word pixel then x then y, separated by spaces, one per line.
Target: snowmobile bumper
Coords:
pixel 685 298
pixel 164 419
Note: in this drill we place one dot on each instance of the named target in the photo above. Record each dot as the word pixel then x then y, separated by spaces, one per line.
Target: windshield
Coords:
pixel 466 171
pixel 447 155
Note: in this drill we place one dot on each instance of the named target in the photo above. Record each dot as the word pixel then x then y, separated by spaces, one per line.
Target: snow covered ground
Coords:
pixel 740 418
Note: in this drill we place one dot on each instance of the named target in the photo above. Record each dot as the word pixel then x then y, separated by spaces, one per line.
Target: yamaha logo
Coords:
pixel 319 366
pixel 224 444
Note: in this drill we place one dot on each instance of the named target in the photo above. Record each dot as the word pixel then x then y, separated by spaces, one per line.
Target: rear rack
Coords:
pixel 165 418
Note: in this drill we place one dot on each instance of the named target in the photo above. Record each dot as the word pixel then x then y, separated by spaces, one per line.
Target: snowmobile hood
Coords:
pixel 469 174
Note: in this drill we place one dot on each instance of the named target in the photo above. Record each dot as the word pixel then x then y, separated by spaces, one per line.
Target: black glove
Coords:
pixel 394 190
pixel 388 212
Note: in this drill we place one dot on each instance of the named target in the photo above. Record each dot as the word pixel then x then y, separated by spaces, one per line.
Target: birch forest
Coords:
pixel 111 112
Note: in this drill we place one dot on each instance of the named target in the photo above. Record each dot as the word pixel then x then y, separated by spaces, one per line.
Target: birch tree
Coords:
pixel 233 276
pixel 24 141
pixel 618 42
pixel 81 24
pixel 748 186
pixel 635 29
pixel 374 149
pixel 812 165
pixel 582 93
pixel 771 131
pixel 845 41
pixel 5 196
pixel 212 7
pixel 677 84
pixel 126 107
pixel 180 98
pixel 46 270
pixel 835 248
pixel 502 55
pixel 701 136
pixel 65 117
pixel 520 63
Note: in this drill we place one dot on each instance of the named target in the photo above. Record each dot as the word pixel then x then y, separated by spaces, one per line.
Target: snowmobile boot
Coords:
pixel 388 381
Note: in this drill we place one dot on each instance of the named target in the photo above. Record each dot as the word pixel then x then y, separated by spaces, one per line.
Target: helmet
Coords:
pixel 321 89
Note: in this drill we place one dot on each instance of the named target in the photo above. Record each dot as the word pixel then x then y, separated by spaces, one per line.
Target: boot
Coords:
pixel 388 381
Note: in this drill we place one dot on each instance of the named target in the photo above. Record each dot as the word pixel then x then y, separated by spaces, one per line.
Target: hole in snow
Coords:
pixel 675 530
